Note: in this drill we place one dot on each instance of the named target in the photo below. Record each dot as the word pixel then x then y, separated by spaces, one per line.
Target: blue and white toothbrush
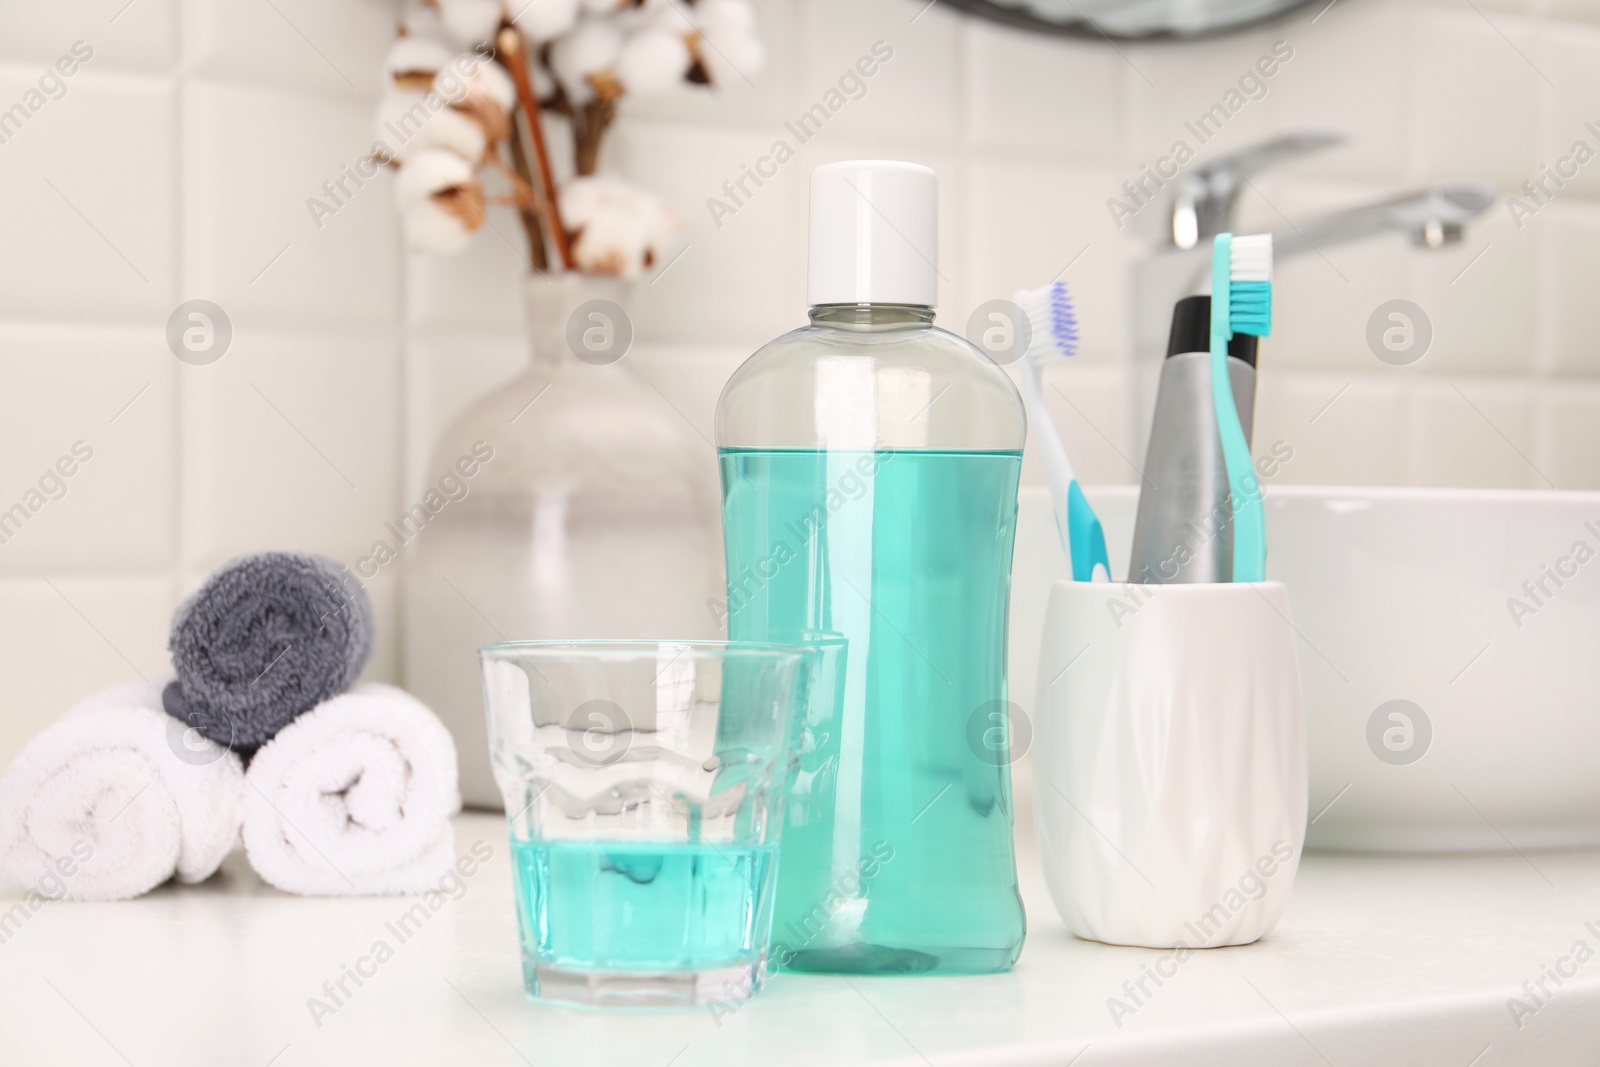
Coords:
pixel 1241 302
pixel 1054 335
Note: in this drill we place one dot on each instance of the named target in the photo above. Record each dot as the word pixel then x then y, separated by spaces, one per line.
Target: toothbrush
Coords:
pixel 1241 302
pixel 1054 336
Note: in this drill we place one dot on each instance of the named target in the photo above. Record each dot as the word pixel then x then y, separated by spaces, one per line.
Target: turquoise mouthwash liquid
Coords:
pixel 642 907
pixel 896 854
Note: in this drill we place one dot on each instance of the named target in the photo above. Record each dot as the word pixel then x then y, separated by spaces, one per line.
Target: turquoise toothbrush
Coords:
pixel 1241 302
pixel 1054 336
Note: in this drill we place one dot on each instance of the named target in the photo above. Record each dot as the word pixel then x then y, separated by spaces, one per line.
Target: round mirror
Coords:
pixel 1130 19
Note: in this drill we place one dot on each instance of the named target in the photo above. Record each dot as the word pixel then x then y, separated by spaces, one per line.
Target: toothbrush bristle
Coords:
pixel 1250 258
pixel 1063 320
pixel 1250 285
pixel 1053 321
pixel 1250 308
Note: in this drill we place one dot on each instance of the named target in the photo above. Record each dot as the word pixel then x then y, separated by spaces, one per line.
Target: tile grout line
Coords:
pixel 181 399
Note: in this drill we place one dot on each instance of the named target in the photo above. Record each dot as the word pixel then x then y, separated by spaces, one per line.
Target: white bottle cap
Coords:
pixel 874 233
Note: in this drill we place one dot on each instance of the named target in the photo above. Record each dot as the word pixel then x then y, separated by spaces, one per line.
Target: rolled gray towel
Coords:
pixel 266 638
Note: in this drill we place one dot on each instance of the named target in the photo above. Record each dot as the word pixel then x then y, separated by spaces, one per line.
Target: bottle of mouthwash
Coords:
pixel 869 468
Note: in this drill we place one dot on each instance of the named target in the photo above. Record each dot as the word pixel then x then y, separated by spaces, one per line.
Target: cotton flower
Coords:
pixel 459 131
pixel 729 48
pixel 441 201
pixel 445 116
pixel 413 61
pixel 583 196
pixel 406 126
pixel 471 21
pixel 582 61
pixel 485 93
pixel 431 172
pixel 729 59
pixel 488 80
pixel 543 20
pixel 467 114
pixel 652 60
pixel 618 229
pixel 436 226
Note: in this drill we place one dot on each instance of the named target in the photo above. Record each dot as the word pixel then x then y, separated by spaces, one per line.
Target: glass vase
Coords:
pixel 594 515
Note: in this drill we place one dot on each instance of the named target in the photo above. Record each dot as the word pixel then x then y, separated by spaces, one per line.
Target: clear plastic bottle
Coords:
pixel 869 475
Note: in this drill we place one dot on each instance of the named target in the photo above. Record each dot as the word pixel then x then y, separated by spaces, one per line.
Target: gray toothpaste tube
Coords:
pixel 1184 529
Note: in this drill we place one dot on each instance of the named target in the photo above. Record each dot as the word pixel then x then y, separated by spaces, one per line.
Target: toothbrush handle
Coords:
pixel 1090 563
pixel 1082 538
pixel 1249 525
pixel 1249 519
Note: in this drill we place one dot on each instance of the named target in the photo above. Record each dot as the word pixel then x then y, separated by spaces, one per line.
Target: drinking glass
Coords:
pixel 644 782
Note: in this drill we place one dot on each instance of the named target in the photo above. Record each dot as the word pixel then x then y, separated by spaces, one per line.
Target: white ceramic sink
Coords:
pixel 1405 595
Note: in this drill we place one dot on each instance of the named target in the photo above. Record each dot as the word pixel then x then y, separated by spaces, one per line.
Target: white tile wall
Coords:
pixel 253 157
pixel 1025 95
pixel 1344 429
pixel 698 297
pixel 916 96
pixel 1315 89
pixel 1497 270
pixel 1571 94
pixel 336 48
pixel 1477 89
pixel 178 164
pixel 1570 436
pixel 112 389
pixel 1342 284
pixel 67 635
pixel 290 440
pixel 90 188
pixel 140 36
pixel 1569 232
pixel 1490 421
pixel 1028 222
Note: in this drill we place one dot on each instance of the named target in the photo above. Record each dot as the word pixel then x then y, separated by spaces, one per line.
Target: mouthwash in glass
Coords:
pixel 619 906
pixel 869 489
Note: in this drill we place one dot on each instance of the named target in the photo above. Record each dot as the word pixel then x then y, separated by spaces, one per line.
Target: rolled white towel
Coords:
pixel 115 798
pixel 354 798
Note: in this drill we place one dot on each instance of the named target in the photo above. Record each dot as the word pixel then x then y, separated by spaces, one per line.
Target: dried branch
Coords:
pixel 515 59
pixel 528 212
pixel 589 125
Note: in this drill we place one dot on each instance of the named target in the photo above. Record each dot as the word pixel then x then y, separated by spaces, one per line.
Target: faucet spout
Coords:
pixel 1430 218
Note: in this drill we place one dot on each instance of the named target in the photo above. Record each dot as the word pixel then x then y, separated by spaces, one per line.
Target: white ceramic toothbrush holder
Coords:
pixel 1170 761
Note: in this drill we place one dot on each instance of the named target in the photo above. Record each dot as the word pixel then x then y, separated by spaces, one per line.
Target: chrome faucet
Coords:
pixel 1176 231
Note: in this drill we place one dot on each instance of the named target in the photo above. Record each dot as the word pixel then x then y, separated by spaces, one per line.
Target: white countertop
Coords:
pixel 1392 960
